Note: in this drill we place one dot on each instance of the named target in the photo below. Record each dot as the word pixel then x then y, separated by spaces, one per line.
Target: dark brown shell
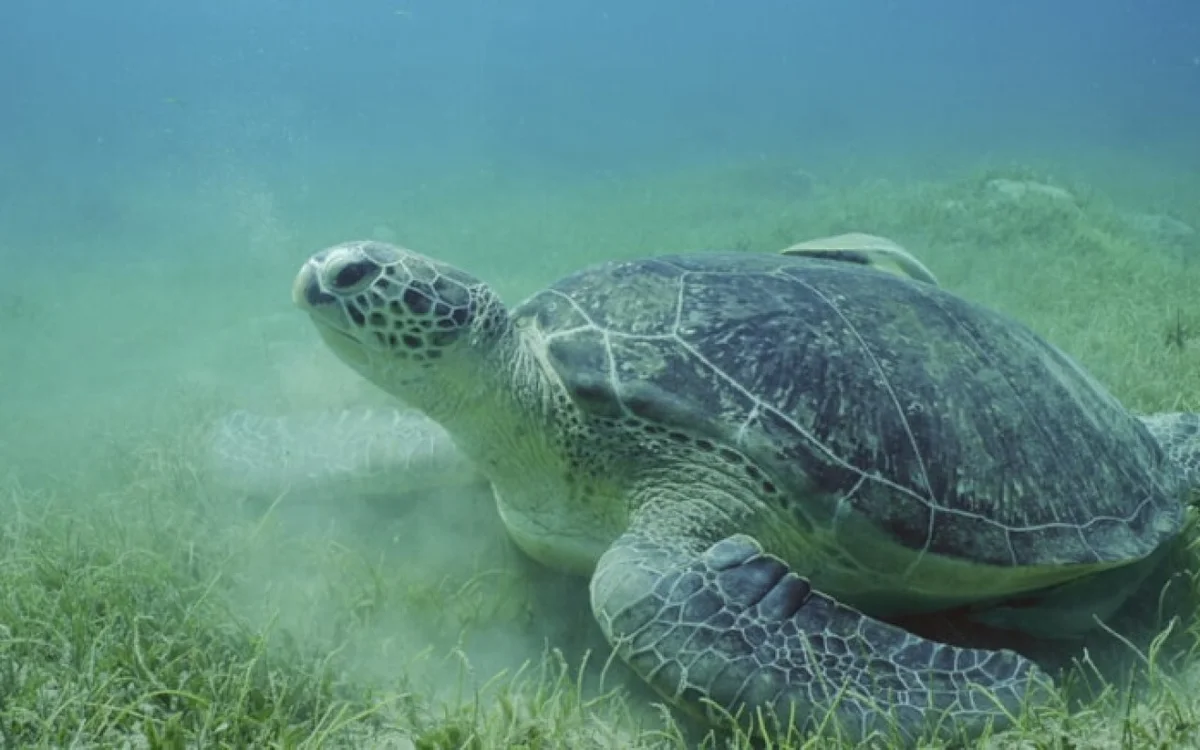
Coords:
pixel 954 429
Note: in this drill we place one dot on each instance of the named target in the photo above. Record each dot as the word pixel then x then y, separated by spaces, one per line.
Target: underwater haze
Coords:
pixel 97 94
pixel 197 552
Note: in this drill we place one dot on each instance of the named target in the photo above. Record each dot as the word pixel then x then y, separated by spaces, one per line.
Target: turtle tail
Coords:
pixel 1179 434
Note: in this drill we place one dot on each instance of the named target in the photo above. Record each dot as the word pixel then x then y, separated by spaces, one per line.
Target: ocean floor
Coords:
pixel 147 604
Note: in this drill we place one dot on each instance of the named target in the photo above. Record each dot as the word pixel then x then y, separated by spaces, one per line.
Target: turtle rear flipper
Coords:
pixel 729 631
pixel 1179 435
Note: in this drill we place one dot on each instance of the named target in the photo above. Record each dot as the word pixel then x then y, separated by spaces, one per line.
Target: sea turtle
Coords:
pixel 763 460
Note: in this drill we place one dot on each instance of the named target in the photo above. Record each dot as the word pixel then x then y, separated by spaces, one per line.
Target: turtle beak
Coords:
pixel 325 310
pixel 307 293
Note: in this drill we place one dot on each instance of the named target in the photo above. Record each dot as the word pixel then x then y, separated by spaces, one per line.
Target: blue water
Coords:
pixel 99 91
pixel 164 133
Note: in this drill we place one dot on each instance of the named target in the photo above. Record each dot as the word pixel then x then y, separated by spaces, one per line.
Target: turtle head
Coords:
pixel 408 323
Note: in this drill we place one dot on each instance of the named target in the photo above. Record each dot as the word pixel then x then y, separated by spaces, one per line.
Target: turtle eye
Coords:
pixel 354 275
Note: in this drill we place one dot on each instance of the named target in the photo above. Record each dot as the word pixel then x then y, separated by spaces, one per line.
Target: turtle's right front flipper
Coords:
pixel 732 625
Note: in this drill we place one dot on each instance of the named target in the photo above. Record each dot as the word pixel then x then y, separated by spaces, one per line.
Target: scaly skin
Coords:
pixel 1179 435
pixel 734 627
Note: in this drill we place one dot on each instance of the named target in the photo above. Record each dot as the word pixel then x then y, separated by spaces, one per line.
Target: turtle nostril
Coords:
pixel 353 273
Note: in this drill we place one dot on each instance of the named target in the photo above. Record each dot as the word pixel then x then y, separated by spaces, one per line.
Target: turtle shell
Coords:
pixel 953 430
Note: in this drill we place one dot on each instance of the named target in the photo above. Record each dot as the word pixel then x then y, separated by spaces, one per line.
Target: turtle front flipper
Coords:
pixel 730 631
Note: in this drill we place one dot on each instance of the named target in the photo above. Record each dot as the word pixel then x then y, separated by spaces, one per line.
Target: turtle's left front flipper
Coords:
pixel 730 625
pixel 1179 434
